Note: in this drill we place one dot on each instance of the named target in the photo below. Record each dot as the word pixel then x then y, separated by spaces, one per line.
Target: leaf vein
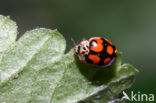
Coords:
pixel 52 96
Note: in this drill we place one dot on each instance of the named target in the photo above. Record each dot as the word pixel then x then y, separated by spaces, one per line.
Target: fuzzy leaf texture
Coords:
pixel 47 75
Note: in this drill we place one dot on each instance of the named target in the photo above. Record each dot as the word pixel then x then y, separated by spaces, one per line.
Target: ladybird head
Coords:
pixel 82 49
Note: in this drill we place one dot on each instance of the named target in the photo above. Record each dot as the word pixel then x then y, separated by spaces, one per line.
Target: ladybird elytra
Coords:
pixel 96 44
pixel 94 58
pixel 107 60
pixel 109 50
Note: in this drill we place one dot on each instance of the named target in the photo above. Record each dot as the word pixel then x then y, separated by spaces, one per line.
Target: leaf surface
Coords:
pixel 8 33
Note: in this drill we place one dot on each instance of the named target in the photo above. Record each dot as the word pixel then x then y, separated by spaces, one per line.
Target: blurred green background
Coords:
pixel 129 24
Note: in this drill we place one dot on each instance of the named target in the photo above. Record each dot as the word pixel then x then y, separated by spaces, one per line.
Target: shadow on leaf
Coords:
pixel 97 76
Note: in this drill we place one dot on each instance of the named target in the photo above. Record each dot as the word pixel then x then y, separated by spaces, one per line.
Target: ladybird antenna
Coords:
pixel 73 41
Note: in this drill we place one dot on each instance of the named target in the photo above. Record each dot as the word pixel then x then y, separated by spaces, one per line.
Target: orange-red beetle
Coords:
pixel 96 51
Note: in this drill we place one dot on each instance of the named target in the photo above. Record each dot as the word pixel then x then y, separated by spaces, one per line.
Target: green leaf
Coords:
pixel 8 33
pixel 47 75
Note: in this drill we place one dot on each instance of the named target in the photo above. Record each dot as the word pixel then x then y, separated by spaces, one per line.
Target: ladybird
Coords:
pixel 96 51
